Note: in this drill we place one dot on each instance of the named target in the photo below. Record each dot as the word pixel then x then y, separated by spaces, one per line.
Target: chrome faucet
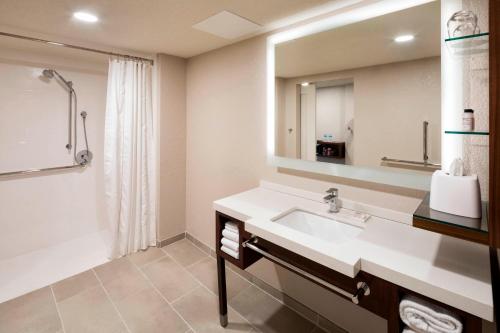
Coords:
pixel 332 199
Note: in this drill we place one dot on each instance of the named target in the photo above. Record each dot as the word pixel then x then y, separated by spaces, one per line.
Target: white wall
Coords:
pixel 40 211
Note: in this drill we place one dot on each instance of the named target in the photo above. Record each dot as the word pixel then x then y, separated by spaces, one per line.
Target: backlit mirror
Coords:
pixel 364 94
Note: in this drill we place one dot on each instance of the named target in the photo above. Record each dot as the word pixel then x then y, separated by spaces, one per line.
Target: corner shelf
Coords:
pixel 475 230
pixel 468 132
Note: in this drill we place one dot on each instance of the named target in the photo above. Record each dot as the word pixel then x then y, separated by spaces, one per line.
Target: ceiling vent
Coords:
pixel 227 25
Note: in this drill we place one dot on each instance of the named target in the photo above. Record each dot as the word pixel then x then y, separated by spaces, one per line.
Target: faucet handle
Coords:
pixel 333 191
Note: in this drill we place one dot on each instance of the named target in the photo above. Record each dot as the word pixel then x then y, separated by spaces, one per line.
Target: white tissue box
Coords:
pixel 455 195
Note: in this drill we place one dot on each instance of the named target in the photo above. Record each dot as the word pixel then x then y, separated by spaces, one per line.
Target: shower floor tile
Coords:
pixel 136 294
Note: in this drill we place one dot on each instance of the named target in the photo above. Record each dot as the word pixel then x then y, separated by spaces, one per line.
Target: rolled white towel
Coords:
pixel 422 316
pixel 231 235
pixel 232 253
pixel 231 226
pixel 230 244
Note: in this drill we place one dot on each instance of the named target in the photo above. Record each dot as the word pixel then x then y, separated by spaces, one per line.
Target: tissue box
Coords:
pixel 455 195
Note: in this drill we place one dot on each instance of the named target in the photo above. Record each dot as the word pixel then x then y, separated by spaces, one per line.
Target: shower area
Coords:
pixel 53 212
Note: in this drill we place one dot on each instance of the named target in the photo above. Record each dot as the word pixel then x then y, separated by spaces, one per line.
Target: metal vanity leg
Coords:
pixel 221 273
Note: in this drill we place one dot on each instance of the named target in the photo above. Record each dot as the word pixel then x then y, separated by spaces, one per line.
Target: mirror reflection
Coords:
pixel 364 94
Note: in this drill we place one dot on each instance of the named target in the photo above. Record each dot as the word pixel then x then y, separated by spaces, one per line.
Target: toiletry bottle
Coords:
pixel 468 120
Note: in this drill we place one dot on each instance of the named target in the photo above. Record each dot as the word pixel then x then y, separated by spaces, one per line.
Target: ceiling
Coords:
pixel 363 44
pixel 152 26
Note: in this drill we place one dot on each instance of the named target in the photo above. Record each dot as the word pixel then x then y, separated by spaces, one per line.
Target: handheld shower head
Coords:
pixel 48 73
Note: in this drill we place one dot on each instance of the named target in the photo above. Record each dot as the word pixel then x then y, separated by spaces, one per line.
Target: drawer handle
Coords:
pixel 363 288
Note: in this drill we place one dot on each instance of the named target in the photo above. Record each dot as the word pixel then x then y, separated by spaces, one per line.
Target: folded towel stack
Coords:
pixel 231 240
pixel 422 316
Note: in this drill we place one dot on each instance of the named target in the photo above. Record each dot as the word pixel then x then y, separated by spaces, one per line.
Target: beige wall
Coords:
pixel 171 79
pixel 390 104
pixel 226 154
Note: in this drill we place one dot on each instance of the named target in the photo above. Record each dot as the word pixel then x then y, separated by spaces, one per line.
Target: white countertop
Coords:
pixel 447 269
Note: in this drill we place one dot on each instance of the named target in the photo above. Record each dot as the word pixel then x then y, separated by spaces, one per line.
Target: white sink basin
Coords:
pixel 317 226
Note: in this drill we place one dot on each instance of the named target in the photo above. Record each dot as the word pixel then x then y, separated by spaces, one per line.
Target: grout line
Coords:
pixel 111 301
pixel 208 253
pixel 57 308
pixel 211 292
pixel 251 281
pixel 150 262
pixel 163 297
pixel 196 262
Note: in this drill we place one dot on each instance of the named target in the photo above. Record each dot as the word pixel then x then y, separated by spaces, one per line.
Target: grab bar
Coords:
pixel 362 287
pixel 386 159
pixel 27 172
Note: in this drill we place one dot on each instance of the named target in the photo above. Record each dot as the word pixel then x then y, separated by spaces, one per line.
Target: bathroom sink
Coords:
pixel 318 226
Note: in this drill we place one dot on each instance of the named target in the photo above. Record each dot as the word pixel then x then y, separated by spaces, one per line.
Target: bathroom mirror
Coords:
pixel 359 95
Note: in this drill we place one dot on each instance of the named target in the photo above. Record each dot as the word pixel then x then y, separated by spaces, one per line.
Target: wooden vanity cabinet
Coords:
pixel 383 300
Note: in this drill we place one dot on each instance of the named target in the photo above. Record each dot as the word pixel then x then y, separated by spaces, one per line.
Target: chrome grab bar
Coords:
pixel 28 172
pixel 362 287
pixel 386 159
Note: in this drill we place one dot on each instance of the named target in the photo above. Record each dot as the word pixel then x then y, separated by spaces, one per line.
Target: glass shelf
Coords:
pixel 480 35
pixel 468 132
pixel 471 229
pixel 469 45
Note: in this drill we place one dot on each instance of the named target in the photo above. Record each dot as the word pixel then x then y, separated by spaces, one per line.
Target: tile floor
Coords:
pixel 172 289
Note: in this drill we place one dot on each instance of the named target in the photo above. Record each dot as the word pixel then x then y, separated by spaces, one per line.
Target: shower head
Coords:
pixel 48 73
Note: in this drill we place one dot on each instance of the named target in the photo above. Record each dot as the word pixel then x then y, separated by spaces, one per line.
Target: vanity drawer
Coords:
pixel 246 256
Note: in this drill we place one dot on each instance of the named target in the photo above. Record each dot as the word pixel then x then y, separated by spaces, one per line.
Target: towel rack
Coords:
pixel 362 288
pixel 427 164
pixel 31 171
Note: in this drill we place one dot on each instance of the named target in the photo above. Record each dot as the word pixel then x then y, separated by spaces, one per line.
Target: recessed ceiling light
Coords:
pixel 85 17
pixel 305 84
pixel 404 38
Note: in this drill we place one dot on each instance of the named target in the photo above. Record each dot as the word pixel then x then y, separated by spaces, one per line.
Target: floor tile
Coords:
pixel 200 309
pixel 267 314
pixel 185 252
pixel 142 258
pixel 206 272
pixel 170 278
pixel 113 269
pixel 90 311
pixel 147 312
pixel 126 284
pixel 35 312
pixel 73 285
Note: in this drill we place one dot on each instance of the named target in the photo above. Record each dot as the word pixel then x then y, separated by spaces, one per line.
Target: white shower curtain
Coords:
pixel 129 157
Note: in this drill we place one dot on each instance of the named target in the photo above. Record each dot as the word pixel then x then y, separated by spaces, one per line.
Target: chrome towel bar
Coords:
pixel 31 171
pixel 392 160
pixel 362 287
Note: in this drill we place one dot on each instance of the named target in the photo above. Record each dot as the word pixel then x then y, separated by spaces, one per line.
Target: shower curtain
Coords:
pixel 129 157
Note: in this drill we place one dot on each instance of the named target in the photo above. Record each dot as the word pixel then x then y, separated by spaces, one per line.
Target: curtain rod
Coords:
pixel 6 34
